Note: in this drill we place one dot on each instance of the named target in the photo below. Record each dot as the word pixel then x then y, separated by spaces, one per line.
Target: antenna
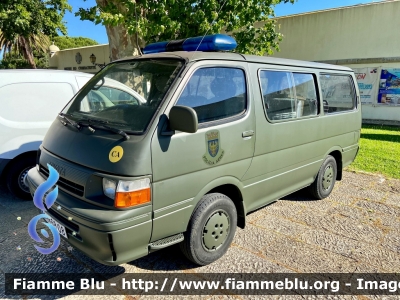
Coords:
pixel 210 26
pixel 137 33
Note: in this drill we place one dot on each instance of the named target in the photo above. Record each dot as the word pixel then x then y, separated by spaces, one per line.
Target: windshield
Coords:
pixel 125 95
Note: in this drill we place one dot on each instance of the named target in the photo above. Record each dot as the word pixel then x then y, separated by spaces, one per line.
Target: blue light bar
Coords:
pixel 215 42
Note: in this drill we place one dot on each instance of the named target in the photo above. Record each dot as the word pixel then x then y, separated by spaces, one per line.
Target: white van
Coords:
pixel 29 102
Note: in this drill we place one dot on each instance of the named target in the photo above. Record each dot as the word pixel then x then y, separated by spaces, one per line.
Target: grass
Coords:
pixel 379 151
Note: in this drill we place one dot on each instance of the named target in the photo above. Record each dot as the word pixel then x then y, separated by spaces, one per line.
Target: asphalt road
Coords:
pixel 356 229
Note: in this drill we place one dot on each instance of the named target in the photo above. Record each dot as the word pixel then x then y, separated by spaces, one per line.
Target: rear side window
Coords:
pixel 215 93
pixel 338 93
pixel 288 95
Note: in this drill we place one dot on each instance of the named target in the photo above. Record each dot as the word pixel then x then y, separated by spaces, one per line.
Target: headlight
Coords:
pixel 127 193
pixel 131 193
pixel 109 187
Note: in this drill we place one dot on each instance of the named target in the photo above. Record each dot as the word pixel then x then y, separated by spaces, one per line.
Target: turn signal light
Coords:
pixel 128 199
pixel 132 193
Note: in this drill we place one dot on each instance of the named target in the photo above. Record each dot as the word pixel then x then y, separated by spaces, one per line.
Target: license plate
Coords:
pixel 60 228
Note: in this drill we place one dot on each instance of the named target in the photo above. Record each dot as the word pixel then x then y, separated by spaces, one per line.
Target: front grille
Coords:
pixel 71 228
pixel 65 184
pixel 63 220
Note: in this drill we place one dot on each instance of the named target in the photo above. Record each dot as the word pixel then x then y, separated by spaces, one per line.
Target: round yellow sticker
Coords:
pixel 116 154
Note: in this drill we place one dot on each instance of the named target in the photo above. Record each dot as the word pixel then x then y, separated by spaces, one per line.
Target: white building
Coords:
pixel 364 37
pixel 84 59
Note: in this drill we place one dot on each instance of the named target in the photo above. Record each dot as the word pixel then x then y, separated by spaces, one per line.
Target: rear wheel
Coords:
pixel 16 175
pixel 211 229
pixel 326 178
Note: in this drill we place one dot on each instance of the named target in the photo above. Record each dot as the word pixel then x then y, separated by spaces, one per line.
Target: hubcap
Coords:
pixel 21 180
pixel 216 231
pixel 327 178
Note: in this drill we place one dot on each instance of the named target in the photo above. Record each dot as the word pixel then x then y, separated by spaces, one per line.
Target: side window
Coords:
pixel 288 95
pixel 278 94
pixel 338 93
pixel 306 95
pixel 215 93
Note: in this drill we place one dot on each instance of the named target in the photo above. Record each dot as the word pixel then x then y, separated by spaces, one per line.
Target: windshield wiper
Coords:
pixel 116 130
pixel 68 121
pixel 102 125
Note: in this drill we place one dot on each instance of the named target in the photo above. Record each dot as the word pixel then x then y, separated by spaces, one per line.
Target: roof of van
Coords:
pixel 44 71
pixel 198 55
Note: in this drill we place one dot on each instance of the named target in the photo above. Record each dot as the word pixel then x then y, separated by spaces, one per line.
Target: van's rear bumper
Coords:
pixel 105 242
pixel 349 154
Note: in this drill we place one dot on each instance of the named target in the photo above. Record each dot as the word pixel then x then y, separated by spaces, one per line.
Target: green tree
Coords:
pixel 14 60
pixel 17 61
pixel 129 23
pixel 26 24
pixel 24 48
pixel 66 42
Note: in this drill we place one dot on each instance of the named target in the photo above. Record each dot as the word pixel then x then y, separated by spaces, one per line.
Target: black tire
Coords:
pixel 325 180
pixel 15 175
pixel 203 245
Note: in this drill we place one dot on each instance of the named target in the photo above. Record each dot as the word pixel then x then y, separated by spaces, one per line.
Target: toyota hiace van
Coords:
pixel 215 136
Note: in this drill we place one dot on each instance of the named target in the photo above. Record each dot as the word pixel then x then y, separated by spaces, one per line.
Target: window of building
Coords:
pixel 215 93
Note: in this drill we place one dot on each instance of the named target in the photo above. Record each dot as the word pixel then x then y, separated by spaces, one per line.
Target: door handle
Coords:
pixel 248 133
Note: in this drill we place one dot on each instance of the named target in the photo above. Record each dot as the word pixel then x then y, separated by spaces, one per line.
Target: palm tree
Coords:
pixel 24 45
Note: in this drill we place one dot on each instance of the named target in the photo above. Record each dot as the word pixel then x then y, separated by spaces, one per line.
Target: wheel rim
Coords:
pixel 21 180
pixel 215 231
pixel 327 178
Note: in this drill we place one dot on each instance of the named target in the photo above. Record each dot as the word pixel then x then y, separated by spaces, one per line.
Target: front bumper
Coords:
pixel 90 229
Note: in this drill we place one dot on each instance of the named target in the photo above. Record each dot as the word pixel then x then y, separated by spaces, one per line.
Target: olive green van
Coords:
pixel 194 142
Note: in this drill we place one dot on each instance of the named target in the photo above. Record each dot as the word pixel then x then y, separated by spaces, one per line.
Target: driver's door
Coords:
pixel 185 165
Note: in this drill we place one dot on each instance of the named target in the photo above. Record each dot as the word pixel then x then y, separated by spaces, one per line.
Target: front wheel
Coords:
pixel 326 178
pixel 16 175
pixel 211 229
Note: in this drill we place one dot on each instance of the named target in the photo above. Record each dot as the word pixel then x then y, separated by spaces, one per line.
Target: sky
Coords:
pixel 76 27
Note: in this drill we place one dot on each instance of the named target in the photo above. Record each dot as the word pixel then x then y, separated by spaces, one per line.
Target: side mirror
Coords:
pixel 183 118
